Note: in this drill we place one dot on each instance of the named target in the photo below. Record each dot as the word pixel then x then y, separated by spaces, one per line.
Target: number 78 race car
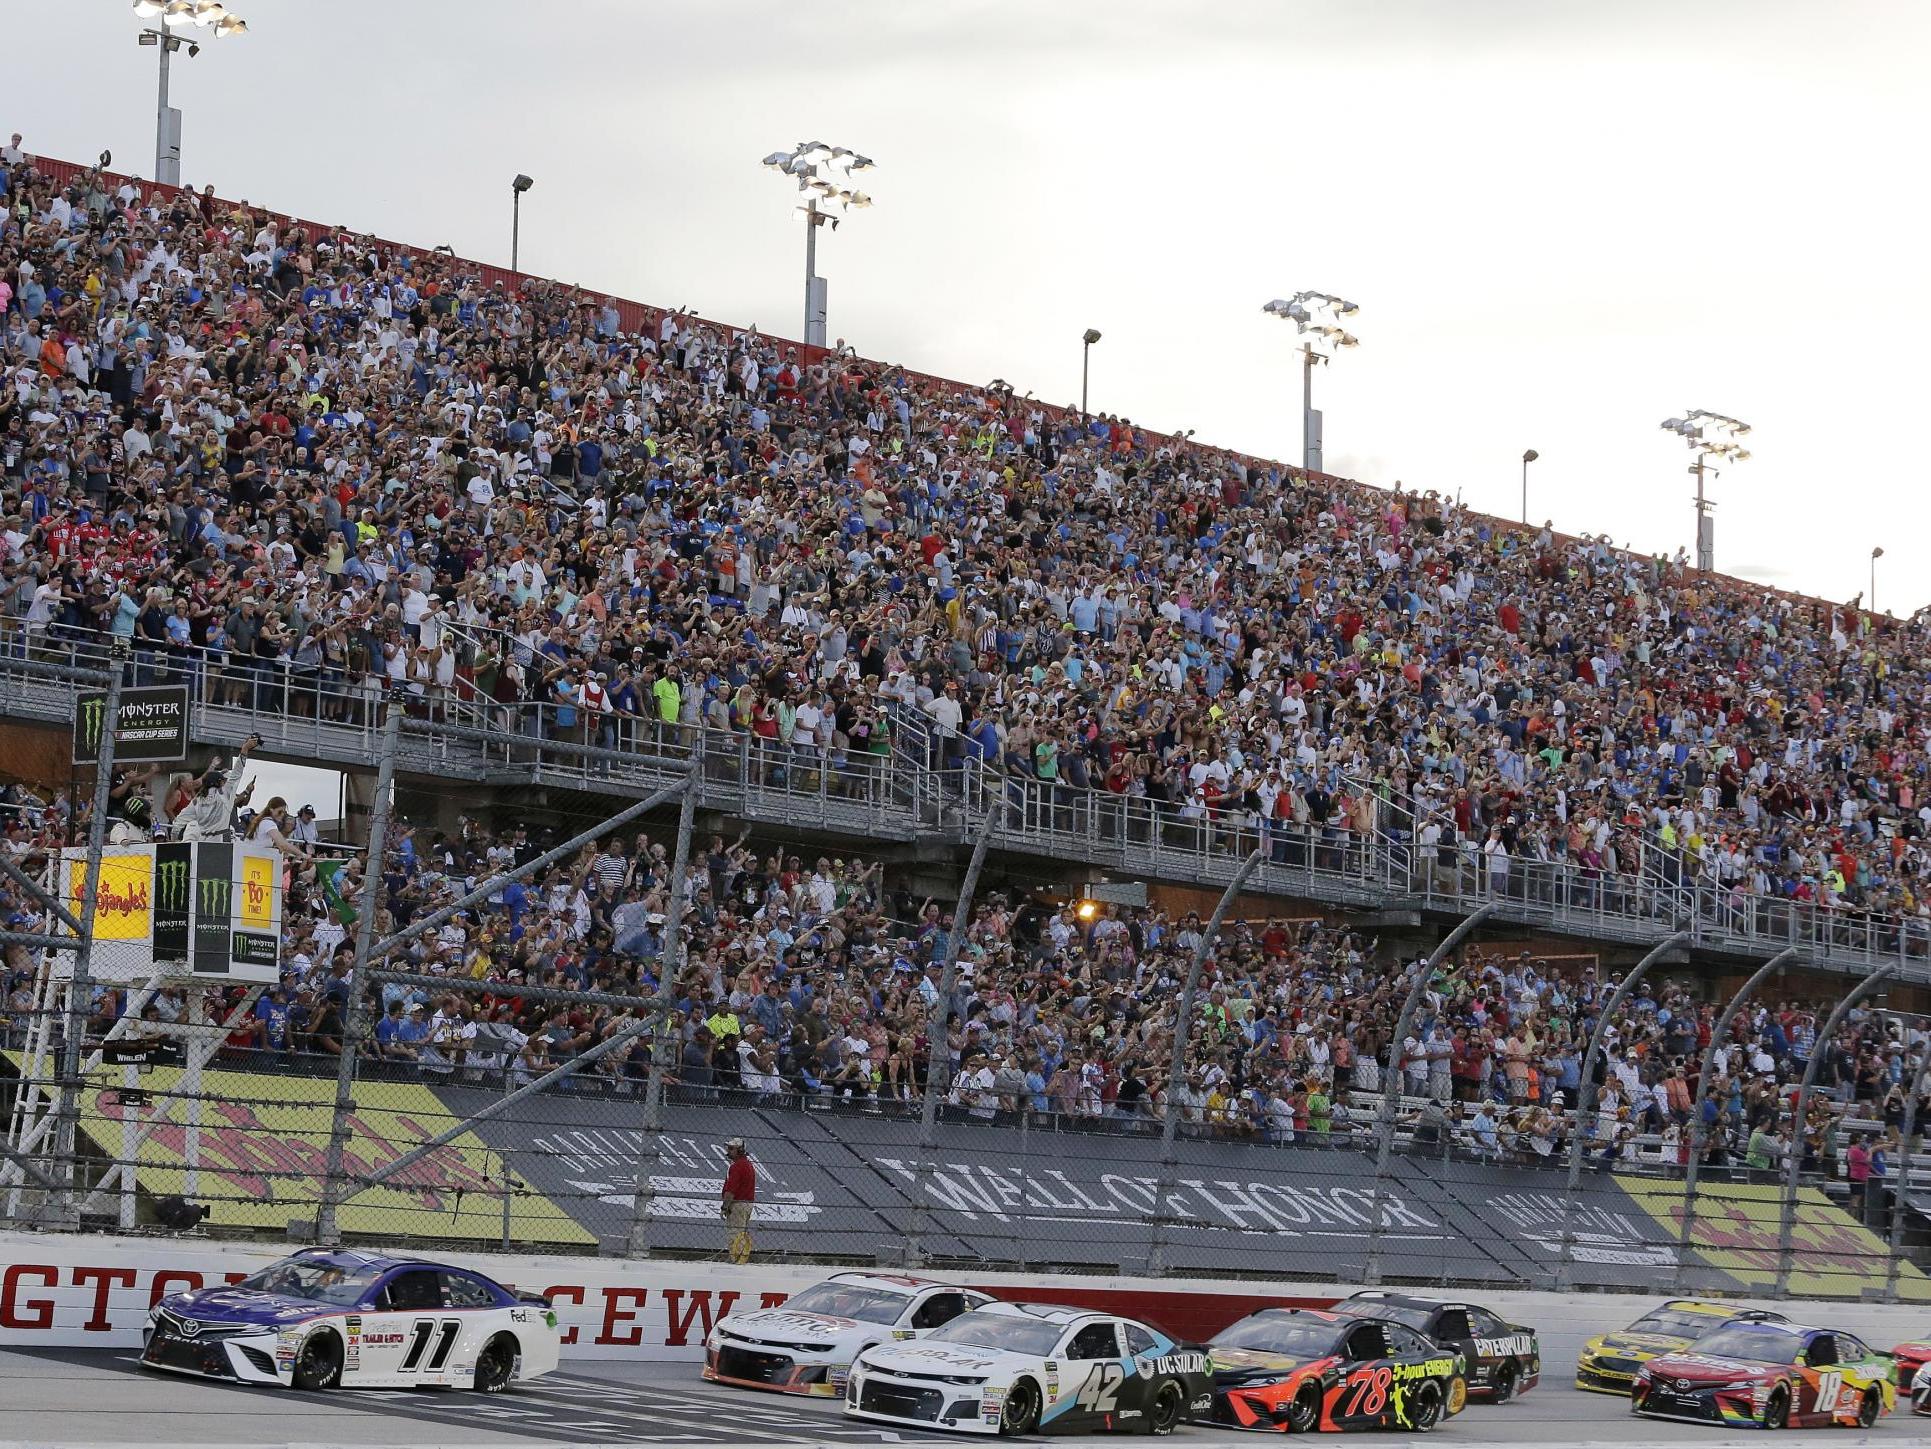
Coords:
pixel 323 1319
pixel 1013 1368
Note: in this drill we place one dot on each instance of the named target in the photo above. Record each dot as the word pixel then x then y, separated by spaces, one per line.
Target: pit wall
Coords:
pixel 95 1292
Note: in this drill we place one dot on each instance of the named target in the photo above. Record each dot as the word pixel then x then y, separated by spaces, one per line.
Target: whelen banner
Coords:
pixel 153 725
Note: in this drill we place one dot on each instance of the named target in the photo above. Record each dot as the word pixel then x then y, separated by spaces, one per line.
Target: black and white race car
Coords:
pixel 806 1345
pixel 324 1319
pixel 1014 1368
pixel 1503 1359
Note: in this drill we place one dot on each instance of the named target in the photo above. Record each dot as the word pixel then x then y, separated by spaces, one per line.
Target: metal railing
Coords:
pixel 931 789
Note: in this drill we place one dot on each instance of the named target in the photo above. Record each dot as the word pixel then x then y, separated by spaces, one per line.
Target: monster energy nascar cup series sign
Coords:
pixel 153 725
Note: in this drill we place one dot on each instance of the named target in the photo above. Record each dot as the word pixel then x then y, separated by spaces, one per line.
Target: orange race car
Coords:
pixel 1296 1370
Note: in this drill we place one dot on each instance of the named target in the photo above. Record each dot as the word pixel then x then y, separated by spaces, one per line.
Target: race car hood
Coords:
pixel 788 1325
pixel 1700 1369
pixel 245 1305
pixel 1638 1345
pixel 938 1359
pixel 1912 1352
pixel 1246 1365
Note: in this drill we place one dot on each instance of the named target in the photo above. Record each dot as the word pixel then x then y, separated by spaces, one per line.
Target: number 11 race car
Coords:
pixel 1768 1376
pixel 1013 1368
pixel 324 1319
pixel 1295 1370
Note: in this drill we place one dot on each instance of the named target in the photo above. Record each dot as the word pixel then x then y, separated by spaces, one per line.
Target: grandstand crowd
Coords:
pixel 268 454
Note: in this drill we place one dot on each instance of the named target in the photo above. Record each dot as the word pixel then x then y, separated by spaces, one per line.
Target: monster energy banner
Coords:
pixel 173 901
pixel 214 919
pixel 153 725
pixel 845 1182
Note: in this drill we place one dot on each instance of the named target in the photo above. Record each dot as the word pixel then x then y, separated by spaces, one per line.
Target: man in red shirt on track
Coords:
pixel 740 1192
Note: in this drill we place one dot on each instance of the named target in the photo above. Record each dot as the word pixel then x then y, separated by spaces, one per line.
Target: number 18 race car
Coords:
pixel 322 1319
pixel 1767 1376
pixel 1296 1370
pixel 807 1345
pixel 1501 1359
pixel 1013 1368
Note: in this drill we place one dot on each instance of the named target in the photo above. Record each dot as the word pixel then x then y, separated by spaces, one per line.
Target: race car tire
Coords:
pixel 1426 1411
pixel 1776 1413
pixel 1020 1413
pixel 1163 1416
pixel 1304 1413
pixel 497 1364
pixel 1502 1386
pixel 1869 1408
pixel 318 1363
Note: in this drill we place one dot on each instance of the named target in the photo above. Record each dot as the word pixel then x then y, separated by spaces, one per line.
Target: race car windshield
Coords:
pixel 1001 1331
pixel 1278 1333
pixel 1757 1345
pixel 319 1282
pixel 1676 1324
pixel 846 1300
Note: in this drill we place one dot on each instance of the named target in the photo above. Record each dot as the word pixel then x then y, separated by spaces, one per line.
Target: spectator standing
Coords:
pixel 740 1194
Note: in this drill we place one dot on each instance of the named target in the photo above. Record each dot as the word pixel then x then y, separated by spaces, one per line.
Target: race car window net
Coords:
pixel 939 1308
pixel 1096 1340
pixel 844 1300
pixel 1276 1333
pixel 1001 1331
pixel 315 1282
pixel 1754 1343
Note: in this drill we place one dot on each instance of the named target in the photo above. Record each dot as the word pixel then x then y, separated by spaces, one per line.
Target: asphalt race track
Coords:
pixel 76 1396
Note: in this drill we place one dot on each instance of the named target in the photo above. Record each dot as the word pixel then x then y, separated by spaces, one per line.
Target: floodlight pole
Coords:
pixel 167 167
pixel 80 985
pixel 1705 545
pixel 1308 355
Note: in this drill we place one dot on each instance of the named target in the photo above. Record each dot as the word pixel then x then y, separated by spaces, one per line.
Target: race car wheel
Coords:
pixel 1776 1413
pixel 1021 1412
pixel 1867 1411
pixel 1164 1416
pixel 497 1364
pixel 1502 1386
pixel 319 1363
pixel 1304 1413
pixel 1425 1409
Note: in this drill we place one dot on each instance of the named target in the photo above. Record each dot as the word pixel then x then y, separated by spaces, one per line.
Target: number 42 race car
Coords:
pixel 1768 1376
pixel 1014 1368
pixel 324 1319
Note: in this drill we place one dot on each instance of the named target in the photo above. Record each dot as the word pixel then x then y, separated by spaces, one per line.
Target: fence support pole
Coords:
pixel 1793 1153
pixel 1391 1087
pixel 327 1232
pixel 80 986
pixel 935 1045
pixel 1586 1098
pixel 1699 1139
pixel 1177 1068
pixel 670 962
pixel 1901 1182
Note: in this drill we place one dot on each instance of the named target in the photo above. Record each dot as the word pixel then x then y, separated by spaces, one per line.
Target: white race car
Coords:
pixel 807 1345
pixel 1014 1368
pixel 1921 1389
pixel 326 1318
